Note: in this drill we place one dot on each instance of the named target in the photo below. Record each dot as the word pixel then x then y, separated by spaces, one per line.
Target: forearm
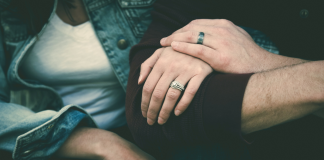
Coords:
pixel 269 61
pixel 282 95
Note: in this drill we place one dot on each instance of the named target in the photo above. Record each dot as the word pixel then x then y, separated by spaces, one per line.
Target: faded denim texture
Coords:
pixel 33 121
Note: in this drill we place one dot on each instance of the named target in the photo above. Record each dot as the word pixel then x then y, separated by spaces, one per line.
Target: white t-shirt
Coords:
pixel 71 60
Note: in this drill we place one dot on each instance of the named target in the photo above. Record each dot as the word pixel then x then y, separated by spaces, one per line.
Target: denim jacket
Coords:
pixel 33 121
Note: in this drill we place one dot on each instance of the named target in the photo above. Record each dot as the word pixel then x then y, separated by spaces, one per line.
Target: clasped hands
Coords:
pixel 226 48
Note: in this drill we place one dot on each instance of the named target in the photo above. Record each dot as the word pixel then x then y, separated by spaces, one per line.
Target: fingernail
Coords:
pixel 177 112
pixel 174 44
pixel 139 79
pixel 149 121
pixel 163 40
pixel 161 121
pixel 144 114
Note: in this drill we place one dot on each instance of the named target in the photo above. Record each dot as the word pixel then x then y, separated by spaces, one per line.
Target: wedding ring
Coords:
pixel 177 85
pixel 201 38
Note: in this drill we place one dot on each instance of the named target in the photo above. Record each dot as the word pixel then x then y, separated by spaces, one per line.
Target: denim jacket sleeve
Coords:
pixel 30 135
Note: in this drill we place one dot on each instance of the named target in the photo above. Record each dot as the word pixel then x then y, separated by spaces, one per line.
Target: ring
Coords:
pixel 201 38
pixel 177 85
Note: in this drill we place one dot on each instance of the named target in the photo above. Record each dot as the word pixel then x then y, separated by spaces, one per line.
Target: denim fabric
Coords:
pixel 33 121
pixel 262 40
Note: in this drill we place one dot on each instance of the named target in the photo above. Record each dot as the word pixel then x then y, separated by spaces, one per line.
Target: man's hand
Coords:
pixel 169 65
pixel 98 144
pixel 226 47
pixel 285 89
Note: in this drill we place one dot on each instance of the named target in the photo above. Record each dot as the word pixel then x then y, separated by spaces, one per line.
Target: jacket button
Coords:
pixel 122 44
pixel 303 13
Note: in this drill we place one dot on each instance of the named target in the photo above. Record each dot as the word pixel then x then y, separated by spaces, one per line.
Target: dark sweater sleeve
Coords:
pixel 215 112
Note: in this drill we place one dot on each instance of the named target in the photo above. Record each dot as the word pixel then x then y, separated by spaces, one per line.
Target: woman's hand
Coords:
pixel 163 67
pixel 98 144
pixel 226 47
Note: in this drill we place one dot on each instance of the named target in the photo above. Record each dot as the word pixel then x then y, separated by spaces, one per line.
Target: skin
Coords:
pixel 170 65
pixel 92 143
pixel 283 88
pixel 98 144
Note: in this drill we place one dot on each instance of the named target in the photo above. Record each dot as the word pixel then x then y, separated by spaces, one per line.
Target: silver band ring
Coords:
pixel 201 38
pixel 177 85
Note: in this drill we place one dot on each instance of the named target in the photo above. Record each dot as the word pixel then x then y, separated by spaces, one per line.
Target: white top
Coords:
pixel 71 60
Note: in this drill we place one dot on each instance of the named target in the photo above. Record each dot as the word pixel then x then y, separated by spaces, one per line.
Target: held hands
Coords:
pixel 163 67
pixel 226 47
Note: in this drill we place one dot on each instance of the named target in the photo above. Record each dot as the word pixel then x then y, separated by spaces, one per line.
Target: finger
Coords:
pixel 190 37
pixel 147 66
pixel 200 23
pixel 171 99
pixel 189 94
pixel 192 28
pixel 196 50
pixel 192 34
pixel 158 96
pixel 213 22
pixel 148 88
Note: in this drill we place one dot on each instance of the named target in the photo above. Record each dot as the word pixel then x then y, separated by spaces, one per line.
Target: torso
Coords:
pixel 70 59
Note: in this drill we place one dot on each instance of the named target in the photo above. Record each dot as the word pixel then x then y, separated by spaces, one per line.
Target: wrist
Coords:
pixel 269 61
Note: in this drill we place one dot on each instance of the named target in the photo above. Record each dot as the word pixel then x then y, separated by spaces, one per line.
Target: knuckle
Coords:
pixel 160 65
pixel 199 70
pixel 188 35
pixel 191 35
pixel 191 92
pixel 225 22
pixel 144 108
pixel 157 95
pixel 189 27
pixel 223 61
pixel 188 68
pixel 147 89
pixel 224 43
pixel 173 68
pixel 223 31
pixel 201 51
pixel 152 113
pixel 160 62
pixel 173 95
pixel 165 113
